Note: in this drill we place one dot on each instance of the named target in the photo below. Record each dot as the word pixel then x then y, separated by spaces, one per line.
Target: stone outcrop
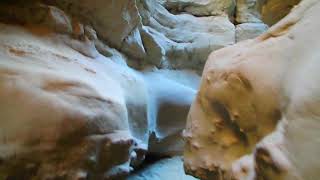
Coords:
pixel 255 114
pixel 147 32
pixel 67 115
pixel 151 34
pixel 89 88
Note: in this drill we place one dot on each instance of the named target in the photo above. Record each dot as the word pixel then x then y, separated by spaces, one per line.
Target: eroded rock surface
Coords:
pixel 88 88
pixel 76 113
pixel 256 106
pixel 148 32
pixel 85 116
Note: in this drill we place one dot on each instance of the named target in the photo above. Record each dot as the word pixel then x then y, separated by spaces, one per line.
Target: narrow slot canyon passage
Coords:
pixel 159 89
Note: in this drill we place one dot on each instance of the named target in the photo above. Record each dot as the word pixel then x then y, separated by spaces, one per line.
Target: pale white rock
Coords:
pixel 249 30
pixel 60 101
pixel 71 107
pixel 148 33
pixel 93 115
pixel 182 41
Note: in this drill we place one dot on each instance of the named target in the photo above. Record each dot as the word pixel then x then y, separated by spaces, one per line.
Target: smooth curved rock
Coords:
pixel 65 115
pixel 70 105
pixel 246 90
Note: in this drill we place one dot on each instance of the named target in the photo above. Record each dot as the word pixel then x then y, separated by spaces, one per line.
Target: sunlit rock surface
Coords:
pixel 255 115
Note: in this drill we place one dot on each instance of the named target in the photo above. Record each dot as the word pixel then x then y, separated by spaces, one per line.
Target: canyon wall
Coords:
pixel 88 88
pixel 255 115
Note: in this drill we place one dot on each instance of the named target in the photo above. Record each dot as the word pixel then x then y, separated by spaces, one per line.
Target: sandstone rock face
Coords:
pixel 256 112
pixel 67 115
pixel 182 40
pixel 68 111
pixel 87 88
pixel 274 10
pixel 153 35
pixel 149 33
pixel 268 11
pixel 253 15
